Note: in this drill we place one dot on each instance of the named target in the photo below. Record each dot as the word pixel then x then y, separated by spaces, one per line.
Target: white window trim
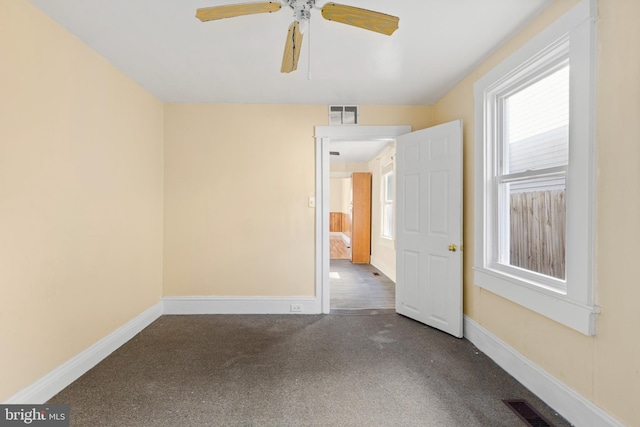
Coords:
pixel 545 63
pixel 386 169
pixel 573 307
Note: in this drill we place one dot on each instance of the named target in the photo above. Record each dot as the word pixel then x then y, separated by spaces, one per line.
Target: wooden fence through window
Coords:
pixel 537 234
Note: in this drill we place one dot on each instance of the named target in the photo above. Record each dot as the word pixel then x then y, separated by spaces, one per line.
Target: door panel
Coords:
pixel 438 195
pixel 411 292
pixel 411 212
pixel 437 268
pixel 429 222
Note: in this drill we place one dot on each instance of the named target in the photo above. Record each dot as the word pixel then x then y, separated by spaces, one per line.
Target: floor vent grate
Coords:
pixel 527 413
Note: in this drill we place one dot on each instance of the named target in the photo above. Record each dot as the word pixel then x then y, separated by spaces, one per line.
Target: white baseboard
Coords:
pixel 55 381
pixel 574 407
pixel 346 239
pixel 389 272
pixel 239 305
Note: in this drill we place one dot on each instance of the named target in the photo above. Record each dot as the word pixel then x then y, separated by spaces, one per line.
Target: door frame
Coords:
pixel 323 136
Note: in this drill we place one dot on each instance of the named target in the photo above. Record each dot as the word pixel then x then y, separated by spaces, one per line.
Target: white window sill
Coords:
pixel 547 302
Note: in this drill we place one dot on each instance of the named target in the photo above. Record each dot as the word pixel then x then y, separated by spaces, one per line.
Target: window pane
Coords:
pixel 387 220
pixel 536 230
pixel 388 187
pixel 537 124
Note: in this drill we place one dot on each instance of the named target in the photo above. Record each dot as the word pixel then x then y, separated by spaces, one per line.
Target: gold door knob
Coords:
pixel 453 247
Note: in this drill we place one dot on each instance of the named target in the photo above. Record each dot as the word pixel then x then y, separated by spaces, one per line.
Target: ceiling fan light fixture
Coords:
pixel 361 18
pixel 301 8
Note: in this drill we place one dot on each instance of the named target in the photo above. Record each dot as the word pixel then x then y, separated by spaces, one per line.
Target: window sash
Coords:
pixel 388 187
pixel 387 220
pixel 500 242
pixel 387 202
pixel 527 175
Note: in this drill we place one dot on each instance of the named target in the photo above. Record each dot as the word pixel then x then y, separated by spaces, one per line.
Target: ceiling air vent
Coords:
pixel 343 114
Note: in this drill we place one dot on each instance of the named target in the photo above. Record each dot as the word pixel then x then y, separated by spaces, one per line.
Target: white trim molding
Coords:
pixel 324 135
pixel 55 381
pixel 574 407
pixel 239 305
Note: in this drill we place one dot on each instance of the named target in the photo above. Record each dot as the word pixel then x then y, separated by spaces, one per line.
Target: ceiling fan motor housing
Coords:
pixel 301 8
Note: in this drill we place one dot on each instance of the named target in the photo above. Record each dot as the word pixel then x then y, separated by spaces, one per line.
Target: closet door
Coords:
pixel 361 218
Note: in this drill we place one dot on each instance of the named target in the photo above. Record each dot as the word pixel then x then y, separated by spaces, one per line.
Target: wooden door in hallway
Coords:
pixel 361 218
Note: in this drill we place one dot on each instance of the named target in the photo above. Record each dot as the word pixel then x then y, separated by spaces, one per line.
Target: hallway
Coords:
pixel 359 287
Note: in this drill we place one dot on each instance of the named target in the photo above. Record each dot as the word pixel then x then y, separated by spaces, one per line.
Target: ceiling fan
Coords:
pixel 362 18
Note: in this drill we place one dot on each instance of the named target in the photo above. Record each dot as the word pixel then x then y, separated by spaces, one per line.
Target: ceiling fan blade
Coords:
pixel 361 18
pixel 292 49
pixel 232 10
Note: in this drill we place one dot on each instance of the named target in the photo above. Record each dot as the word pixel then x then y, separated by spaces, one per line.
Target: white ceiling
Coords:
pixel 355 151
pixel 161 45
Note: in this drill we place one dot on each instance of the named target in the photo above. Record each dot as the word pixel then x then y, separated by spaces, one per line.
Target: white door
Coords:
pixel 429 226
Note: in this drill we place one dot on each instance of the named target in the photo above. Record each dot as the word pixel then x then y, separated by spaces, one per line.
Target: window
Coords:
pixel 534 187
pixel 532 146
pixel 387 201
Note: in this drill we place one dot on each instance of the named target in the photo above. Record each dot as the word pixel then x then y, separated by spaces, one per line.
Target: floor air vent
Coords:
pixel 527 413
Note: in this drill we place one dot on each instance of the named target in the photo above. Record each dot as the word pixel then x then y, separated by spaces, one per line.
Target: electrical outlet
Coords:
pixel 296 308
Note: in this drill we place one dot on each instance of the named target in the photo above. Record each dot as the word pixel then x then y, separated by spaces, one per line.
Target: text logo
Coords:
pixel 34 415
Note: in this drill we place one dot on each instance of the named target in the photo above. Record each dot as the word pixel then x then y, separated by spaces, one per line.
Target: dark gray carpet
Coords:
pixel 295 370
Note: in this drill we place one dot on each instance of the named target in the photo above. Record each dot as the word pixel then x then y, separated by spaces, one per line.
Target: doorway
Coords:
pixel 354 226
pixel 327 139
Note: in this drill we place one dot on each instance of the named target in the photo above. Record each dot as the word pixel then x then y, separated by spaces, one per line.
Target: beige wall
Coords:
pixel 346 195
pixel 418 116
pixel 605 369
pixel 236 215
pixel 80 197
pixel 339 194
pixel 616 352
pixel 345 169
pixel 335 194
pixel 237 220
